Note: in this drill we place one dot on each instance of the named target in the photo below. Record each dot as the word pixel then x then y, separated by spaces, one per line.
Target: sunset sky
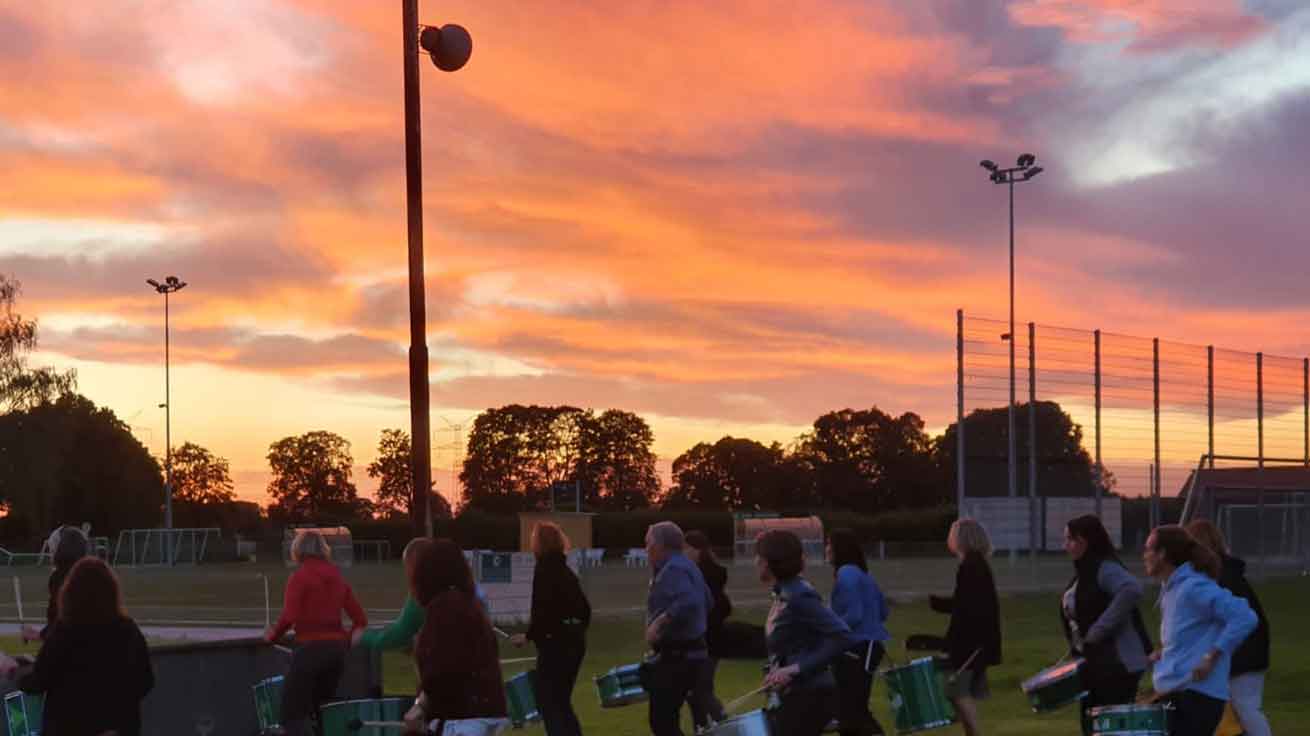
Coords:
pixel 726 216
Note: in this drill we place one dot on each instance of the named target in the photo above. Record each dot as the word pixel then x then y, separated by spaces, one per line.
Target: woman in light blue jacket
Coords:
pixel 1200 626
pixel 857 600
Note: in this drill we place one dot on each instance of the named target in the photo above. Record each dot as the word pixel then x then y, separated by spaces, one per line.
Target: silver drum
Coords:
pixel 754 723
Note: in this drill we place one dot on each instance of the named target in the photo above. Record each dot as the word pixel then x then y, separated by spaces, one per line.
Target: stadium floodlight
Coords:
pixel 1024 170
pixel 450 47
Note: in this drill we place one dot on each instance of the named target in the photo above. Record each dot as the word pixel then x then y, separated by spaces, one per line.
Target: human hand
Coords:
pixel 1154 656
pixel 519 640
pixel 356 637
pixel 1206 666
pixel 656 629
pixel 30 633
pixel 780 677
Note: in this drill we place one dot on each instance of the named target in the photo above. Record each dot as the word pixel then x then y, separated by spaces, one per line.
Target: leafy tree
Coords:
pixel 1064 467
pixel 392 470
pixel 311 480
pixel 870 461
pixel 616 465
pixel 735 473
pixel 516 453
pixel 22 387
pixel 200 477
pixel 69 462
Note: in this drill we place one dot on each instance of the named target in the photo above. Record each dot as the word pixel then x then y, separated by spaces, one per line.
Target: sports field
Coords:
pixel 233 594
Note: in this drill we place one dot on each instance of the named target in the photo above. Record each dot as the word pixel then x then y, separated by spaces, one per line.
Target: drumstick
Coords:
pixel 734 705
pixel 966 664
pixel 520 660
pixel 18 598
pixel 500 632
pixel 268 621
pixel 358 725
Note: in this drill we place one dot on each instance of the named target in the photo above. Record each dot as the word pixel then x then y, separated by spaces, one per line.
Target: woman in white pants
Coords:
pixel 1251 660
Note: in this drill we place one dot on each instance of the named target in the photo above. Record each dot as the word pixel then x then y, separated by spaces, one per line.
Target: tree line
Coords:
pixel 62 459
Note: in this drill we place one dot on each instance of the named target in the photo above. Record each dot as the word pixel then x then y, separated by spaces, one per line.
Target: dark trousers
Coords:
pixel 854 683
pixel 1195 714
pixel 1115 690
pixel 805 712
pixel 557 672
pixel 705 705
pixel 311 681
pixel 670 680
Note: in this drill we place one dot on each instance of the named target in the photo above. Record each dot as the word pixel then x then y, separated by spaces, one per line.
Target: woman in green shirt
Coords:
pixel 400 633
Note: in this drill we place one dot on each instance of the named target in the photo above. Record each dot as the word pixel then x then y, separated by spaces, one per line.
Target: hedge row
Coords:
pixel 478 530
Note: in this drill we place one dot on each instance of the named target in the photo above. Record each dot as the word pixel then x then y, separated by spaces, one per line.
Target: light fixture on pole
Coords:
pixel 170 285
pixel 449 47
pixel 1023 170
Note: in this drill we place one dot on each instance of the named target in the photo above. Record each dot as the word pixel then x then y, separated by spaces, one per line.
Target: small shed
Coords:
pixel 748 526
pixel 339 540
pixel 577 526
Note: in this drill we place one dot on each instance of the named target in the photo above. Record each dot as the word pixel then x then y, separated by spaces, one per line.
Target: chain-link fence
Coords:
pixel 1150 414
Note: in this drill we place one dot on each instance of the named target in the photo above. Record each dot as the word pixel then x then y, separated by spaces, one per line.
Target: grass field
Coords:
pixel 1032 637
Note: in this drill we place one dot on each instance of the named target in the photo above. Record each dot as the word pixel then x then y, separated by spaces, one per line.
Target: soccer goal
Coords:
pixel 160 547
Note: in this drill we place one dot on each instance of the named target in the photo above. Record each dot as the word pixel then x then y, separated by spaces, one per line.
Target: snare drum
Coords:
pixel 754 723
pixel 268 703
pixel 1055 687
pixel 621 686
pixel 918 696
pixel 23 713
pixel 344 717
pixel 1131 720
pixel 521 697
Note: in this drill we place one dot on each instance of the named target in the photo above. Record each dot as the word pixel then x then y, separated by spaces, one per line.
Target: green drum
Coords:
pixel 346 717
pixel 621 686
pixel 23 713
pixel 268 703
pixel 521 696
pixel 918 696
pixel 1055 687
pixel 1131 720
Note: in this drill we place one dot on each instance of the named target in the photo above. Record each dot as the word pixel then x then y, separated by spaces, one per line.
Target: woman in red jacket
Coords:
pixel 315 597
pixel 455 653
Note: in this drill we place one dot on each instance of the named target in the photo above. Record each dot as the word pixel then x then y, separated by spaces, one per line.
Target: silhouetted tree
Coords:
pixel 311 480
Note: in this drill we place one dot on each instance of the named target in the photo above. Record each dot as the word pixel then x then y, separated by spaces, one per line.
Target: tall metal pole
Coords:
pixel 1260 455
pixel 420 432
pixel 959 413
pixel 1209 402
pixel 1013 459
pixel 1032 440
pixel 1155 381
pixel 168 430
pixel 1100 469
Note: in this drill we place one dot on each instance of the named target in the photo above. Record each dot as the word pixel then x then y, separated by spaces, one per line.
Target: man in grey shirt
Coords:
pixel 677 613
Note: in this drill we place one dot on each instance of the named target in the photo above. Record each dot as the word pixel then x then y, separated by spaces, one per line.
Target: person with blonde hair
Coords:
pixel 973 637
pixel 558 627
pixel 1246 677
pixel 316 594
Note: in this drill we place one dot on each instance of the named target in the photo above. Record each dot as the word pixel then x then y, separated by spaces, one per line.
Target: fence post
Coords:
pixel 1032 440
pixel 1100 470
pixel 959 413
pixel 1209 402
pixel 1155 382
pixel 1260 456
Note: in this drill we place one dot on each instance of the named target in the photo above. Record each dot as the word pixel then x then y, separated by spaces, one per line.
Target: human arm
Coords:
pixel 400 632
pixel 1125 590
pixel 358 619
pixel 833 635
pixel 51 663
pixel 290 609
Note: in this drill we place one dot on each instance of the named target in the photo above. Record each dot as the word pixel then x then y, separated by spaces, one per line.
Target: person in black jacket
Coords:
pixel 973 638
pixel 1101 621
pixel 94 667
pixel 705 706
pixel 558 626
pixel 68 544
pixel 1246 676
pixel 804 637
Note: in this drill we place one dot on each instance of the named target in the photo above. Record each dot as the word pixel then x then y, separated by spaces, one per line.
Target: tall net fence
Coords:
pixel 1150 414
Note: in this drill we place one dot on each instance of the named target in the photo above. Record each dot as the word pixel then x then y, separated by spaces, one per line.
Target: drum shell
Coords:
pixel 268 702
pixel 521 697
pixel 918 695
pixel 1131 720
pixel 1055 687
pixel 337 717
pixel 23 713
pixel 621 686
pixel 754 723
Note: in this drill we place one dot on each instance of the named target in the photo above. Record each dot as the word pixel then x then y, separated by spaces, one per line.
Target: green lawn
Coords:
pixel 1032 641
